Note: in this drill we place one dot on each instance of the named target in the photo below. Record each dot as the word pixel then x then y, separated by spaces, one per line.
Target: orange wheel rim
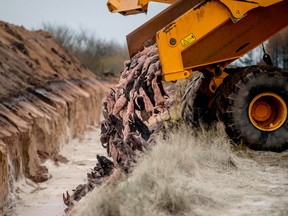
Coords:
pixel 267 111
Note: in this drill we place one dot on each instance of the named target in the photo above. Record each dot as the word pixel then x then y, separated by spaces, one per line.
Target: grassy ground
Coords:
pixel 195 173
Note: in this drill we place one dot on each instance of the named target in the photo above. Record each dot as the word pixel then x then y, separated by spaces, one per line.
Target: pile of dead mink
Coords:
pixel 138 95
pixel 127 109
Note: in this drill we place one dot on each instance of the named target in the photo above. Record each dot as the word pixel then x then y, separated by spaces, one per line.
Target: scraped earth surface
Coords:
pixel 46 198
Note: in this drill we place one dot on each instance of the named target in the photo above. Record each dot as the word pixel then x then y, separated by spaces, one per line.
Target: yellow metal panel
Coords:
pixel 165 1
pixel 127 7
pixel 186 30
pixel 233 40
pixel 206 36
pixel 148 30
pixel 240 8
pixel 113 5
pixel 262 3
pixel 176 76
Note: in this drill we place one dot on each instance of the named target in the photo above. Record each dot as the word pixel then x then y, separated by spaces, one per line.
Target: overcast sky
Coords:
pixel 92 15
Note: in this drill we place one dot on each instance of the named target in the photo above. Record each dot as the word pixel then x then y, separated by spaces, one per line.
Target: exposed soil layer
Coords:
pixel 47 97
pixel 29 59
pixel 81 154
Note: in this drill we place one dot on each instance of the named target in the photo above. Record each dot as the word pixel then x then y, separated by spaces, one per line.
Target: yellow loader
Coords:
pixel 206 36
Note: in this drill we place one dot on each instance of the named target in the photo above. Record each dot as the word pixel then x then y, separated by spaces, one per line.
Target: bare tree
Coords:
pixel 278 48
pixel 100 56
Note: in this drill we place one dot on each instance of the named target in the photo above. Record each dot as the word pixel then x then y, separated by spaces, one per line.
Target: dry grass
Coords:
pixel 164 181
pixel 192 173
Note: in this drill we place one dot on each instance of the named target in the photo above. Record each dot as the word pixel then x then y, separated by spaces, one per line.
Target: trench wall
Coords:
pixel 34 125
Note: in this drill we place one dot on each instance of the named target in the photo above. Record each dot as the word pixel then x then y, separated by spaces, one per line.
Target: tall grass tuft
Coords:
pixel 169 179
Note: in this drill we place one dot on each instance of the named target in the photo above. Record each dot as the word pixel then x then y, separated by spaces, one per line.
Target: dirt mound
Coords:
pixel 29 59
pixel 47 96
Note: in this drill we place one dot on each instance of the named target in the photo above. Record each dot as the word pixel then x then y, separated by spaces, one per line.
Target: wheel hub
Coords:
pixel 261 111
pixel 267 111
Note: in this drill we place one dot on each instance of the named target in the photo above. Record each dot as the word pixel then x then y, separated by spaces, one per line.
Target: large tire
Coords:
pixel 195 104
pixel 233 100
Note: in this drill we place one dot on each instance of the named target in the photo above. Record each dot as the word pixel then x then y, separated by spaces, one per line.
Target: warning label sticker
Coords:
pixel 188 40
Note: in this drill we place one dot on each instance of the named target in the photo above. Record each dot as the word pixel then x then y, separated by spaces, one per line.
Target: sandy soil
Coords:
pixel 197 175
pixel 46 198
pixel 257 187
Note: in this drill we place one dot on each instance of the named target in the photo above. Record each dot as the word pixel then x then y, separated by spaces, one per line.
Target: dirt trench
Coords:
pixel 46 98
